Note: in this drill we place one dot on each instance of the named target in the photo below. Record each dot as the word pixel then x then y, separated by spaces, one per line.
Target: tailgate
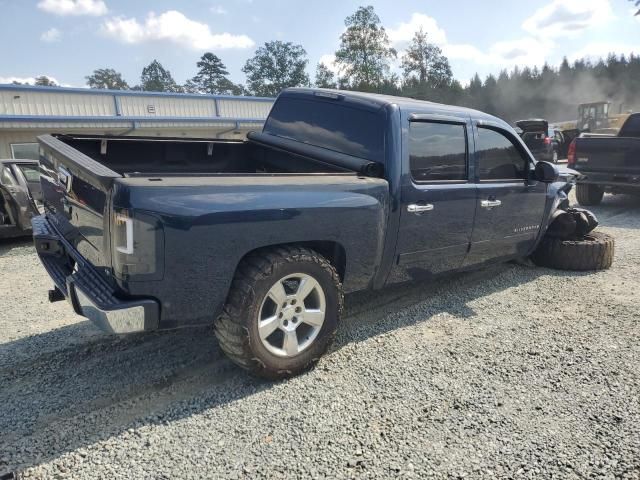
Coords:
pixel 614 155
pixel 75 190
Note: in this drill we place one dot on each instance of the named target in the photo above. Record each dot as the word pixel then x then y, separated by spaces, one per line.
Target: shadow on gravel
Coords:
pixel 618 211
pixel 9 245
pixel 69 388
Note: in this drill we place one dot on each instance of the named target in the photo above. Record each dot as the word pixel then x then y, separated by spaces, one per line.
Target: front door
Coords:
pixel 438 199
pixel 510 203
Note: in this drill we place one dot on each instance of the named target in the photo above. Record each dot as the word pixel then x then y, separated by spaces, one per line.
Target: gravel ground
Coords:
pixel 513 372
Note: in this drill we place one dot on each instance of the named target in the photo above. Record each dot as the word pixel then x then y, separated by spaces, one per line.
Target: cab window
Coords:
pixel 437 151
pixel 498 157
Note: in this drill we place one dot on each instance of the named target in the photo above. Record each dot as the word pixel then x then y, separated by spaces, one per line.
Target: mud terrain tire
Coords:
pixel 591 252
pixel 239 328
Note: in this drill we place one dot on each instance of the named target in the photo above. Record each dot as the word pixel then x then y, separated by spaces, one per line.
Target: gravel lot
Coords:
pixel 514 371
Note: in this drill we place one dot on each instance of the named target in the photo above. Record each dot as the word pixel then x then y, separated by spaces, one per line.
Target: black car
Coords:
pixel 547 143
pixel 535 135
pixel 20 195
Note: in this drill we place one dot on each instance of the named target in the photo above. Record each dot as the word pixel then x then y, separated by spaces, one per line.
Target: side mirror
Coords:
pixel 546 172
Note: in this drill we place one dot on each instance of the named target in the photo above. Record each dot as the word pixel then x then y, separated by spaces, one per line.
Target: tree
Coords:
pixel 44 81
pixel 106 78
pixel 364 52
pixel 325 77
pixel 276 66
pixel 426 60
pixel 212 78
pixel 155 78
pixel 637 3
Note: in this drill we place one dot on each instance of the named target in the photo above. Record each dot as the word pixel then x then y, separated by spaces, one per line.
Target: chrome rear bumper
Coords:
pixel 87 291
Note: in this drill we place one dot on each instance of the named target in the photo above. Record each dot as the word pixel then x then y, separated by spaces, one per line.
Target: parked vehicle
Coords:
pixel 341 191
pixel 19 196
pixel 536 136
pixel 561 139
pixel 607 163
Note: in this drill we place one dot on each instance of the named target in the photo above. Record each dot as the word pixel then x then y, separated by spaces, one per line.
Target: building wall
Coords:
pixel 9 137
pixel 26 112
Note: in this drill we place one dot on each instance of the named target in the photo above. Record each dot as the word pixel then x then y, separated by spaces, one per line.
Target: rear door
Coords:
pixel 438 197
pixel 510 203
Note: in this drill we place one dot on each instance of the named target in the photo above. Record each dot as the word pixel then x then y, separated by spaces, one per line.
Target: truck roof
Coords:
pixel 404 103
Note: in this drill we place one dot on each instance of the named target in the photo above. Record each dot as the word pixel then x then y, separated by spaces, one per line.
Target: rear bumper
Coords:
pixel 90 294
pixel 609 179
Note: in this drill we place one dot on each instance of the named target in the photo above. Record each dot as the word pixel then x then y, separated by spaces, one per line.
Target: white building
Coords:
pixel 28 111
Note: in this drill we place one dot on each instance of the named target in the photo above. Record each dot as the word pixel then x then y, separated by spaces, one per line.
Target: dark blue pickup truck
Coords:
pixel 341 191
pixel 607 163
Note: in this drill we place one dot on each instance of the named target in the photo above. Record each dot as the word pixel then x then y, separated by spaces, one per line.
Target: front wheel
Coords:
pixel 282 312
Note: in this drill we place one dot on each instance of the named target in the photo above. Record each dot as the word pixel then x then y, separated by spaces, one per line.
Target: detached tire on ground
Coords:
pixel 588 194
pixel 282 312
pixel 592 252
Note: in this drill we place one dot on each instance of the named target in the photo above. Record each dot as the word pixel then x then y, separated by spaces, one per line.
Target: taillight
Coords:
pixel 123 233
pixel 137 241
pixel 547 140
pixel 571 154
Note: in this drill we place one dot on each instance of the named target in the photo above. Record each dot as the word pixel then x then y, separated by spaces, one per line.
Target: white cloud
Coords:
pixel 463 52
pixel 523 51
pixel 174 27
pixel 74 7
pixel 405 31
pixel 50 36
pixel 330 62
pixel 219 10
pixel 567 18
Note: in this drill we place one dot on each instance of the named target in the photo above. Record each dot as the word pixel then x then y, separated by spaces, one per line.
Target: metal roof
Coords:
pixel 104 91
pixel 26 106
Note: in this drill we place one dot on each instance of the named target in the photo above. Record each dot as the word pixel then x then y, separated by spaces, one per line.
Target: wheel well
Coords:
pixel 332 251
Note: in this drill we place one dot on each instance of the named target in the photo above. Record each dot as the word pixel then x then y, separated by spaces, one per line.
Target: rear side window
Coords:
pixel 437 151
pixel 498 157
pixel 329 125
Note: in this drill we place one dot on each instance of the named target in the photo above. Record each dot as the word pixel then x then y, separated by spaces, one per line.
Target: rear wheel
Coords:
pixel 594 251
pixel 282 312
pixel 589 194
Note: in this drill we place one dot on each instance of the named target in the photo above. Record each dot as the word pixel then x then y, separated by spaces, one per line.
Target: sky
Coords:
pixel 68 39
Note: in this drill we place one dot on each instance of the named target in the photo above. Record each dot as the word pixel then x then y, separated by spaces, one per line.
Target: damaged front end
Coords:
pixel 571 223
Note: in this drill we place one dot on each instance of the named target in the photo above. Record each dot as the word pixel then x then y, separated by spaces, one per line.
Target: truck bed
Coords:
pixel 202 205
pixel 159 156
pixel 611 155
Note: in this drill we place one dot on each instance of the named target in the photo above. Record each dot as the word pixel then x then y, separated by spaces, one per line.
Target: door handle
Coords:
pixel 415 208
pixel 490 203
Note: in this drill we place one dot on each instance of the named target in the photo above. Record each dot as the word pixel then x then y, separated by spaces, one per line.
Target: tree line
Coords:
pixel 363 60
